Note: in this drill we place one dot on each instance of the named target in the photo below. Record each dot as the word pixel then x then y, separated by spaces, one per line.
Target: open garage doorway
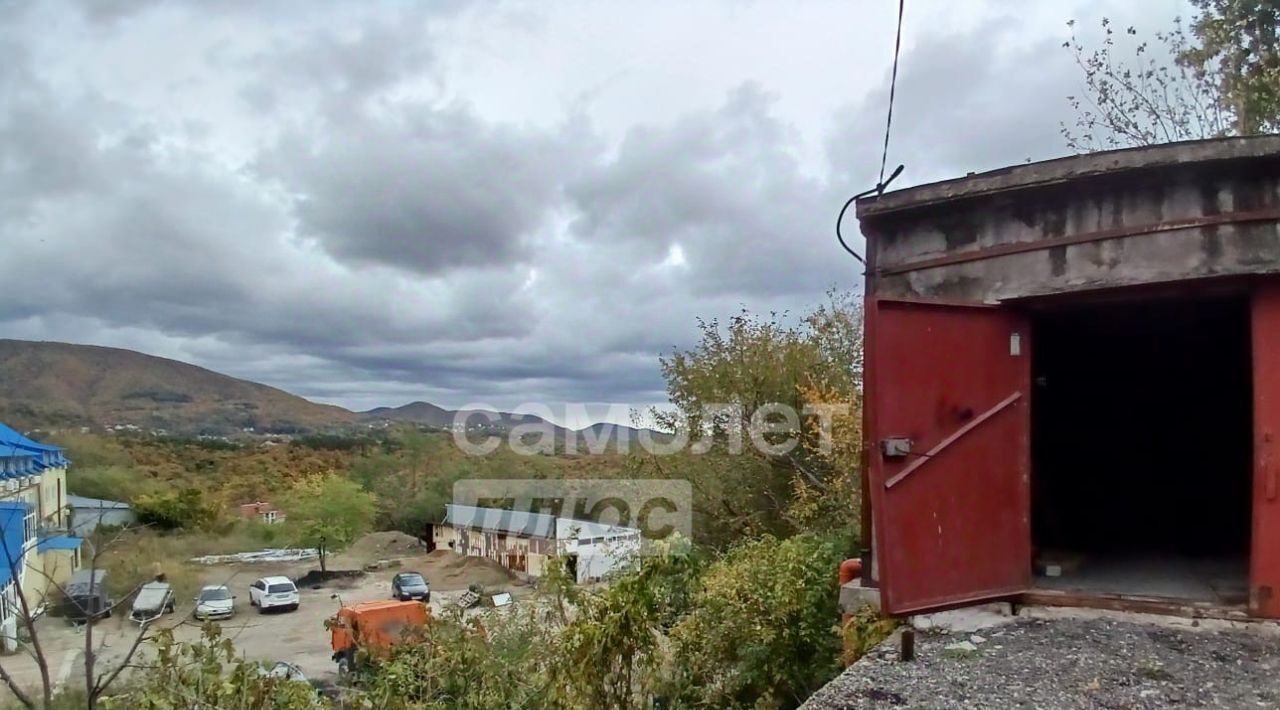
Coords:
pixel 1142 452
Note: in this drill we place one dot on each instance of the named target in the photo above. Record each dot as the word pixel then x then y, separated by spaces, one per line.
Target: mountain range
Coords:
pixel 428 414
pixel 50 384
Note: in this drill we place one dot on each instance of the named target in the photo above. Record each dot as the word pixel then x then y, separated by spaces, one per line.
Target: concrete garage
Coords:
pixel 1073 383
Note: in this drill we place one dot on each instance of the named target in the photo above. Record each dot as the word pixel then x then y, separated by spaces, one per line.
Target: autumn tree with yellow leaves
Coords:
pixel 772 408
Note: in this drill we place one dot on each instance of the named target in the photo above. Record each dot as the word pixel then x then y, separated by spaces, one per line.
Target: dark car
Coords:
pixel 410 585
pixel 86 596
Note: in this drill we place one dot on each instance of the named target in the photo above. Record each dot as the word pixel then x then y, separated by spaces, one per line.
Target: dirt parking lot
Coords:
pixel 298 636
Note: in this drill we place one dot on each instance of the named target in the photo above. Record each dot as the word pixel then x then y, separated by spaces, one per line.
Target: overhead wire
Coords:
pixel 893 86
pixel 884 154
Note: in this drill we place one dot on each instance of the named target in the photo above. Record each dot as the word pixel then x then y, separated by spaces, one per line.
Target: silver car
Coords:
pixel 215 602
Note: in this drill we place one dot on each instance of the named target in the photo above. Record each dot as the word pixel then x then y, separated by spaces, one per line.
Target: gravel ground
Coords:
pixel 1067 663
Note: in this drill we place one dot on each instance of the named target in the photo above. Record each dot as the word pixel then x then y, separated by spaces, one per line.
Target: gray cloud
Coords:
pixel 342 67
pixel 141 233
pixel 427 190
pixel 966 102
pixel 310 198
pixel 726 188
pixel 110 11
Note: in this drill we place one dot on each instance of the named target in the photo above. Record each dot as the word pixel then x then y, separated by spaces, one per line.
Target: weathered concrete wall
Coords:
pixel 1085 205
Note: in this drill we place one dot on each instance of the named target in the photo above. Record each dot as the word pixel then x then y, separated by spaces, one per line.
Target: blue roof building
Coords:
pixel 20 456
pixel 36 553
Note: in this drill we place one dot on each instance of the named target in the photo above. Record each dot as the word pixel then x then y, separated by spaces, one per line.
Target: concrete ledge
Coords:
pixel 854 597
pixel 1072 168
pixel 967 619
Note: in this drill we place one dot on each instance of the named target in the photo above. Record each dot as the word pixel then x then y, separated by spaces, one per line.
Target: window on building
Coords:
pixel 8 601
pixel 30 526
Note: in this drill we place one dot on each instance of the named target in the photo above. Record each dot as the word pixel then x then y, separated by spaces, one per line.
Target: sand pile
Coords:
pixel 385 545
pixel 448 571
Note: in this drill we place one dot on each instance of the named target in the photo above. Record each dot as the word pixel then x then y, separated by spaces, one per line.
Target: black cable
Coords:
pixel 893 86
pixel 840 219
pixel 884 155
pixel 879 188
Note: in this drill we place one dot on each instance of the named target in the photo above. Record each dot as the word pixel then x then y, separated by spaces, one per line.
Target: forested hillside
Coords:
pixel 47 384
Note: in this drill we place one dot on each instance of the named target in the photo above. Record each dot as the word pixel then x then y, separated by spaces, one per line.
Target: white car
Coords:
pixel 282 670
pixel 274 593
pixel 285 671
pixel 215 602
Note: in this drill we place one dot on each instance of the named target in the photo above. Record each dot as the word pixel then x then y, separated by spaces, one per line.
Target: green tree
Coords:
pixel 762 630
pixel 748 465
pixel 1220 79
pixel 1144 100
pixel 413 482
pixel 610 654
pixel 327 513
pixel 1239 39
pixel 185 509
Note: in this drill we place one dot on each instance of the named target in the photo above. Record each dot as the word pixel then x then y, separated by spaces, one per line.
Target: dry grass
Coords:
pixel 136 556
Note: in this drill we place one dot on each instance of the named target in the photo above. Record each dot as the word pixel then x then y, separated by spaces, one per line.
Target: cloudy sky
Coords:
pixel 369 203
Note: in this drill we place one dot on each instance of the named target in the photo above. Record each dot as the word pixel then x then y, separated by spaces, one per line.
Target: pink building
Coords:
pixel 266 512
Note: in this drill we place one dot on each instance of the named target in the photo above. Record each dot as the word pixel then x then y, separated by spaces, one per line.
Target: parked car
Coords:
pixel 154 599
pixel 215 602
pixel 410 585
pixel 86 596
pixel 283 670
pixel 274 593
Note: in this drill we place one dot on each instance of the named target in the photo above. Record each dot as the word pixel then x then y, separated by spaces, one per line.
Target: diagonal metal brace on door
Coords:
pixel 953 438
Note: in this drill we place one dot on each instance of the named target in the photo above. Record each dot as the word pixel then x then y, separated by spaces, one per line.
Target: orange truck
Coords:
pixel 373 627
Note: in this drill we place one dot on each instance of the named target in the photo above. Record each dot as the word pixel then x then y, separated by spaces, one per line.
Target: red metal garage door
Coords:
pixel 1264 567
pixel 948 410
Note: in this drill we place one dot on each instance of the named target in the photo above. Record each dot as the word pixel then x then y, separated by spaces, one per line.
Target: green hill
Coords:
pixel 46 384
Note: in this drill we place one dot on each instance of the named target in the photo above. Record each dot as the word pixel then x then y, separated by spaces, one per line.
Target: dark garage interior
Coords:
pixel 1142 448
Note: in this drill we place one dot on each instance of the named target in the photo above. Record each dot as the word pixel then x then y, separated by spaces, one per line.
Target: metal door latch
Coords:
pixel 896 447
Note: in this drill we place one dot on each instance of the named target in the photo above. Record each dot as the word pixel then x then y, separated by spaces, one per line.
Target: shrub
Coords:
pixel 92 451
pixel 207 674
pixel 334 442
pixel 184 509
pixel 610 653
pixel 494 660
pixel 123 483
pixel 864 630
pixel 763 630
pixel 758 627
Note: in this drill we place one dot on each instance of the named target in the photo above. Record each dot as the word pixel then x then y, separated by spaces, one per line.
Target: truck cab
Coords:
pixel 373 627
